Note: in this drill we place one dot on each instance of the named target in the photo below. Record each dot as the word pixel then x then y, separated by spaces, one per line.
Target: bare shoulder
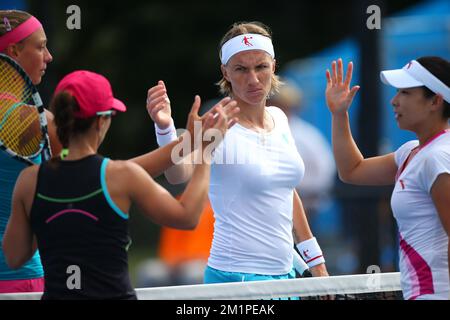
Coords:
pixel 29 173
pixel 26 182
pixel 123 169
pixel 127 177
pixel 122 166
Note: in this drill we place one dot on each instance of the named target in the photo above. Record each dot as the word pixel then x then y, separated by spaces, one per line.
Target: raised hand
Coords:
pixel 224 110
pixel 222 116
pixel 338 94
pixel 158 105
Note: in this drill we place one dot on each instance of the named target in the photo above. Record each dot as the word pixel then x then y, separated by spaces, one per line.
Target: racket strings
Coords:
pixel 19 122
pixel 13 85
pixel 20 131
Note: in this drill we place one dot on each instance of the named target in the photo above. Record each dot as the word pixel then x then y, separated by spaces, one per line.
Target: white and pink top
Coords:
pixel 423 240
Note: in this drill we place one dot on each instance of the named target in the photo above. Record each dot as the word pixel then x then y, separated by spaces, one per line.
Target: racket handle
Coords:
pixel 46 154
pixel 307 274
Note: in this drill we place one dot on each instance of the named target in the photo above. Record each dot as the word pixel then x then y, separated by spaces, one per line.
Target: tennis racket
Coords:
pixel 23 123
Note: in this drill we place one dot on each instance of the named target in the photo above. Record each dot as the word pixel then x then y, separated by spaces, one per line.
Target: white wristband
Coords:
pixel 299 264
pixel 165 136
pixel 311 252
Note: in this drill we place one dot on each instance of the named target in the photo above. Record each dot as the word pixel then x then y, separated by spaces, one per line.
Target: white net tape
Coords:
pixel 304 287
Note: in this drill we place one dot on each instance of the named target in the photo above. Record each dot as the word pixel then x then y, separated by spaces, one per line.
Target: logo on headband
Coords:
pixel 247 42
pixel 409 65
pixel 7 24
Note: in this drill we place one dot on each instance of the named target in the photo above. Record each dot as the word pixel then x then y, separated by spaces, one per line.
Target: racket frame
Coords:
pixel 44 149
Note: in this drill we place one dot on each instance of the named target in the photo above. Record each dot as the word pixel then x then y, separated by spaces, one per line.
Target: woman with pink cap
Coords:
pixel 22 37
pixel 419 169
pixel 75 209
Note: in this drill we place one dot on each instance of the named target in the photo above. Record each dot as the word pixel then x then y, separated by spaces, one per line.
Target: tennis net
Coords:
pixel 376 286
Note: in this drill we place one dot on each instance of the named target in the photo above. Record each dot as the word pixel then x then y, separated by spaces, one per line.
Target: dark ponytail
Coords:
pixel 63 106
pixel 440 68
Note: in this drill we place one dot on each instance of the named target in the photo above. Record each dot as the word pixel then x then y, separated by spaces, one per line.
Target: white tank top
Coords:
pixel 253 177
pixel 423 240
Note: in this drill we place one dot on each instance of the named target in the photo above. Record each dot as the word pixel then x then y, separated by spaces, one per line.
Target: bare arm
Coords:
pixel 351 165
pixel 156 203
pixel 55 145
pixel 19 243
pixel 303 232
pixel 156 161
pixel 441 199
pixel 159 109
pixel 160 206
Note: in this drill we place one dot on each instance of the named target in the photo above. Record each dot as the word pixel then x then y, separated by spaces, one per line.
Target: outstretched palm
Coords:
pixel 338 94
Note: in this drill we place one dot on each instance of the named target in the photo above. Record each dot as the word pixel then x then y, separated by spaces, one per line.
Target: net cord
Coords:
pixel 303 287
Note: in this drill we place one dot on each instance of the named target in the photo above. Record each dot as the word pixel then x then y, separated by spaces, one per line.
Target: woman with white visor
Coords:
pixel 420 169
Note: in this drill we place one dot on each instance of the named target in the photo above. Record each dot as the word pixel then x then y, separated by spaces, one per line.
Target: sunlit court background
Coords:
pixel 137 43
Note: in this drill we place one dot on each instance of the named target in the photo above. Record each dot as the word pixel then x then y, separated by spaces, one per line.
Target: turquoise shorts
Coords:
pixel 217 276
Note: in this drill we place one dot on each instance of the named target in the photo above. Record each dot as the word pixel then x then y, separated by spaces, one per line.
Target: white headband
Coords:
pixel 244 42
pixel 414 75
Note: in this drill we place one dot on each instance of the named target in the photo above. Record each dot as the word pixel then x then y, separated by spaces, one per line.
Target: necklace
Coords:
pixel 249 124
pixel 261 132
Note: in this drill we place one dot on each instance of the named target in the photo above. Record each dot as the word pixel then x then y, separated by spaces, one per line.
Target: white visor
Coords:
pixel 244 42
pixel 415 75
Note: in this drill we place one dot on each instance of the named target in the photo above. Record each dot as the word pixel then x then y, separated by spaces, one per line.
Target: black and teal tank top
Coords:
pixel 82 235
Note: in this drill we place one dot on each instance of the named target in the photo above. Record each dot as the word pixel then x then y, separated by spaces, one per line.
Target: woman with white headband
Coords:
pixel 420 169
pixel 22 38
pixel 254 171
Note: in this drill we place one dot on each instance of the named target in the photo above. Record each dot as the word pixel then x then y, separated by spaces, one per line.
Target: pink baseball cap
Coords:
pixel 92 91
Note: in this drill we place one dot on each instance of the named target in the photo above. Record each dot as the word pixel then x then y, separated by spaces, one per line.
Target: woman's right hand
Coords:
pixel 338 94
pixel 158 105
